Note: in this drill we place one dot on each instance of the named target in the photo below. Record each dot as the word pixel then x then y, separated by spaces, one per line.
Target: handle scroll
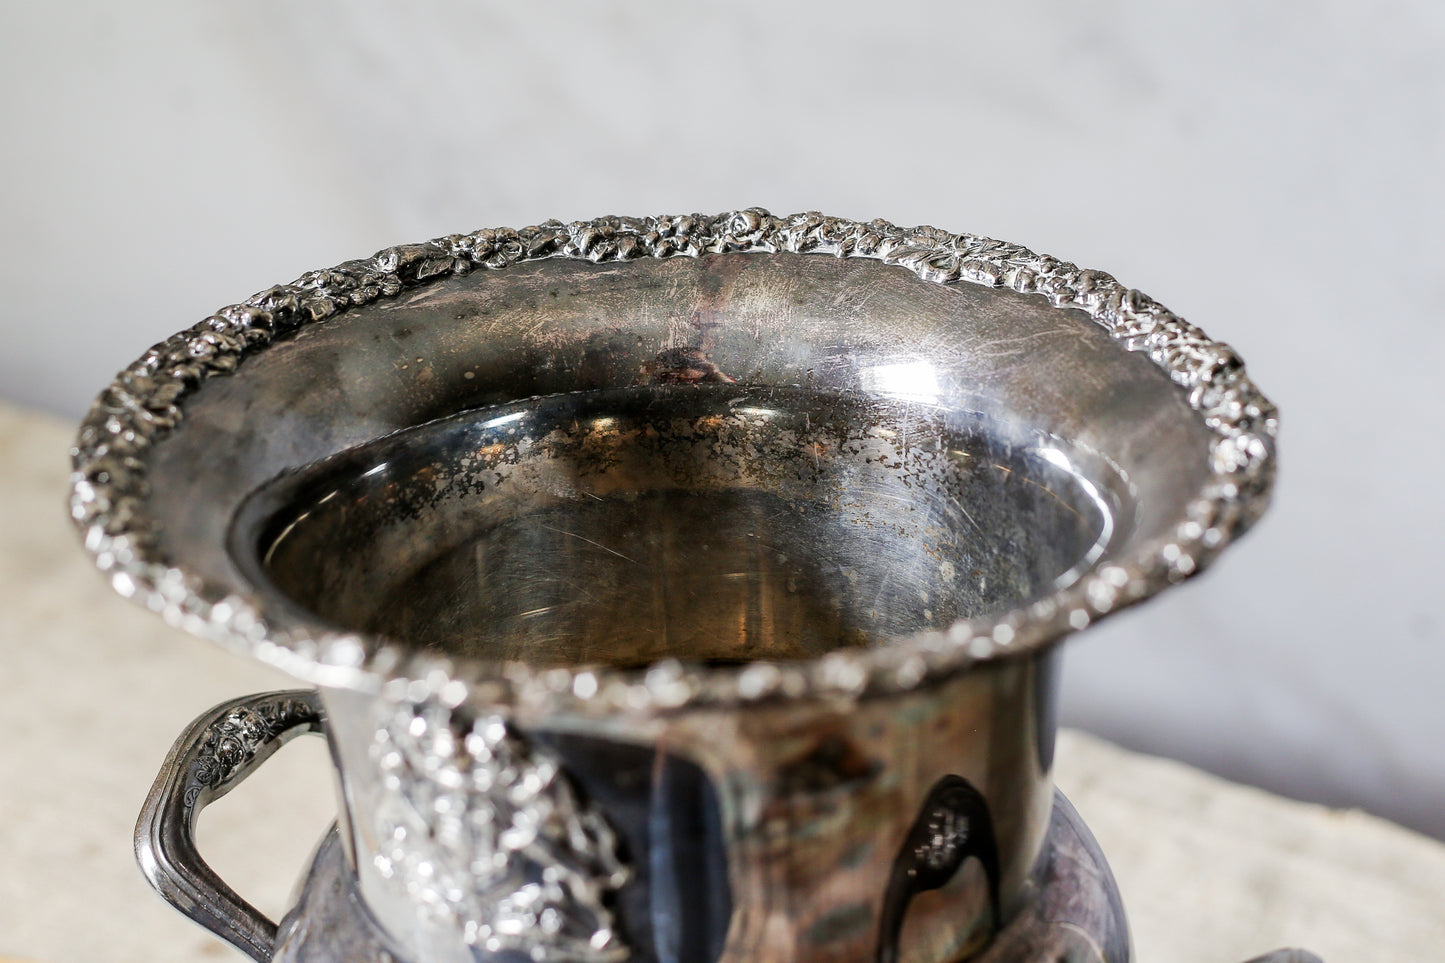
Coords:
pixel 212 756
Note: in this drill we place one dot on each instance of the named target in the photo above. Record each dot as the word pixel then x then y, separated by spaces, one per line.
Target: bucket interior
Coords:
pixel 712 522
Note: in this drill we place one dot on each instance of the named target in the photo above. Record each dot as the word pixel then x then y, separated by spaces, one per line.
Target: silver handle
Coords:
pixel 213 755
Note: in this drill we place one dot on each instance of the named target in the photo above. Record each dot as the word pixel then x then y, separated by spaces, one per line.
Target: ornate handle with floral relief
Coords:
pixel 215 753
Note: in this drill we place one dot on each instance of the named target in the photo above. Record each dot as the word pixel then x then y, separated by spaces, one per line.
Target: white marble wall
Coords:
pixel 1272 171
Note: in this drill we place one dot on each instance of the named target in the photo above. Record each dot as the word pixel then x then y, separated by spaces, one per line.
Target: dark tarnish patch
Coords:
pixel 683 366
pixel 831 763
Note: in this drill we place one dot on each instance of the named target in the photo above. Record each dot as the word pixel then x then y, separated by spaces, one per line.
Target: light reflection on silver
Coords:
pixel 915 381
pixel 506 419
pixel 1061 461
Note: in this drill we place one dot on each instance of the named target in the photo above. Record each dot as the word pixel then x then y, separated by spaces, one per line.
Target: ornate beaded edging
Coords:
pixel 143 405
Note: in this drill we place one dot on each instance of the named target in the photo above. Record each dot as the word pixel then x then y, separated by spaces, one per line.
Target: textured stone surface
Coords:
pixel 94 689
pixel 1214 871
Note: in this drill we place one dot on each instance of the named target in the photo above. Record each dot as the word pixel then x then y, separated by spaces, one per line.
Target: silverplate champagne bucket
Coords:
pixel 672 589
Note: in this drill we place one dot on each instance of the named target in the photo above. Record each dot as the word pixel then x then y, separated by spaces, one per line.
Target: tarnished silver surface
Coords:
pixel 671 556
pixel 815 799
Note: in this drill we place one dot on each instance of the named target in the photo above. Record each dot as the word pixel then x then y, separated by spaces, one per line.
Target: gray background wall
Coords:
pixel 1271 171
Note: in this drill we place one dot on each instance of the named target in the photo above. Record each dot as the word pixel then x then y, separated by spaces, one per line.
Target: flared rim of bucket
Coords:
pixel 146 404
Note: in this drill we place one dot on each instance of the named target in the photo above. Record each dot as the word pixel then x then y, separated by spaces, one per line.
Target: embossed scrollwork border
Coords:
pixel 145 403
pixel 233 742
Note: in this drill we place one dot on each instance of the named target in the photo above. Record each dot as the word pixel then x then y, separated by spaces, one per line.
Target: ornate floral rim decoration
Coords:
pixel 144 404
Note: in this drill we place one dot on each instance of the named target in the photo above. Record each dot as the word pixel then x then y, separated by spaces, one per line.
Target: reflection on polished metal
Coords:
pixel 667 581
pixel 1073 915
